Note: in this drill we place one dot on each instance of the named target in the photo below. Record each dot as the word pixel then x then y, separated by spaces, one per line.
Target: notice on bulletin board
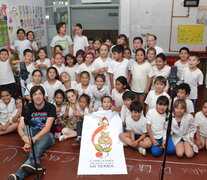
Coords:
pixel 190 34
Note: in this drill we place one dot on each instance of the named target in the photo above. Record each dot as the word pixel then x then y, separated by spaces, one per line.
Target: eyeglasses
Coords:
pixel 151 40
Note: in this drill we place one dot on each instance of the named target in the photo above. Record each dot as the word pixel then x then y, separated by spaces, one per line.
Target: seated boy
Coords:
pixel 136 129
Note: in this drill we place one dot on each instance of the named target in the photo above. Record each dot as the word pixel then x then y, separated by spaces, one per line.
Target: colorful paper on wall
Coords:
pixel 202 15
pixel 4 37
pixel 101 149
pixel 190 34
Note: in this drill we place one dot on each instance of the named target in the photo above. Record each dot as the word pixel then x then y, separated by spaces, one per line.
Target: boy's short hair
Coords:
pixel 5 89
pixel 185 86
pixel 79 25
pixel 160 79
pixel 184 49
pixel 27 51
pixel 21 30
pixel 118 48
pixel 162 56
pixel 154 36
pixel 192 54
pixel 151 49
pixel 138 38
pixel 128 95
pixel 4 50
pixel 163 100
pixel 59 25
pixel 106 96
pixel 136 106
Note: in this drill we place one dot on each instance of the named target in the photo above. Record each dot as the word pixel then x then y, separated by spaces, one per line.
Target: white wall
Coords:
pixel 138 16
pixel 16 19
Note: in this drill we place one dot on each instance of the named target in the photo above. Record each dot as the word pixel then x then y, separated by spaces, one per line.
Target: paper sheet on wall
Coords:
pixel 190 34
pixel 201 15
pixel 101 149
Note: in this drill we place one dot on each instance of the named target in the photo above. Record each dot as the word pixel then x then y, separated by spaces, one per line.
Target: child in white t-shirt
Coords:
pixel 6 75
pixel 106 103
pixel 183 129
pixel 136 129
pixel 86 66
pixel 201 123
pixel 128 97
pixel 7 112
pixel 71 66
pixel 116 94
pixel 99 90
pixel 52 84
pixel 102 63
pixel 140 76
pixel 20 44
pixel 151 99
pixel 193 76
pixel 58 63
pixel 183 93
pixel 183 61
pixel 66 82
pixel 80 57
pixel 151 54
pixel 80 41
pixel 43 63
pixel 127 55
pixel 119 66
pixel 31 38
pixel 156 123
pixel 62 39
pixel 161 69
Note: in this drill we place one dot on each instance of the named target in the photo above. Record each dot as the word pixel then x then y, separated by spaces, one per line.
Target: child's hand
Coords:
pixel 146 91
pixel 192 139
pixel 124 124
pixel 134 143
pixel 155 143
pixel 163 144
pixel 101 70
pixel 113 108
pixel 76 113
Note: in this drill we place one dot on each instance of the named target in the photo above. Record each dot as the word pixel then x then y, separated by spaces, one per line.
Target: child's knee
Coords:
pixel 147 143
pixel 156 151
pixel 179 154
pixel 189 154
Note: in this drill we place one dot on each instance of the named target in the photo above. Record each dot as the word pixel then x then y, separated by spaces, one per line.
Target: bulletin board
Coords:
pixel 4 35
pixel 190 34
pixel 28 15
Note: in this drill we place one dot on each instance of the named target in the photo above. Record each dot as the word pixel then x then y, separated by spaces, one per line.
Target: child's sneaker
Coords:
pixel 76 144
pixel 142 151
pixel 57 135
pixel 62 138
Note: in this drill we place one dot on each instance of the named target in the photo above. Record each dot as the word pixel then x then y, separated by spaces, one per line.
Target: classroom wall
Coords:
pixel 137 17
pixel 14 18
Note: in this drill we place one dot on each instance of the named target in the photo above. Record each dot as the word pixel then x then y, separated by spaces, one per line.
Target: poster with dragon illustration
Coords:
pixel 101 149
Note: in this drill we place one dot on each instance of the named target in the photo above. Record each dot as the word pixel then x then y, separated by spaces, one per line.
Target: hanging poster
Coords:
pixel 4 37
pixel 101 149
pixel 190 34
pixel 201 15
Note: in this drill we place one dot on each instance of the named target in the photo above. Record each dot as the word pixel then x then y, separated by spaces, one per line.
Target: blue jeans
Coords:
pixel 157 150
pixel 194 103
pixel 40 147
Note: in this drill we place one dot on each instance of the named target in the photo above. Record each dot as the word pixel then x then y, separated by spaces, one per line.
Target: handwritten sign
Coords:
pixel 190 34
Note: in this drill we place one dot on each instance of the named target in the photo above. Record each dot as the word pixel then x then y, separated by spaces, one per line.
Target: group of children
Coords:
pixel 83 77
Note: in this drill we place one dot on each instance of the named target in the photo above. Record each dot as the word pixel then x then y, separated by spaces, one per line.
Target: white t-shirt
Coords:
pixel 119 68
pixel 29 87
pixel 140 74
pixel 131 62
pixel 194 79
pixel 89 69
pixel 51 89
pixel 71 71
pixel 158 50
pixel 124 113
pixel 87 91
pixel 7 112
pixel 151 99
pixel 201 121
pixel 98 94
pixel 44 70
pixel 165 72
pixel 64 42
pixel 189 105
pixel 6 74
pixel 34 45
pixel 80 42
pixel 139 127
pixel 180 67
pixel 117 97
pixel 60 69
pixel 157 122
pixel 20 46
pixel 98 63
pixel 73 86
